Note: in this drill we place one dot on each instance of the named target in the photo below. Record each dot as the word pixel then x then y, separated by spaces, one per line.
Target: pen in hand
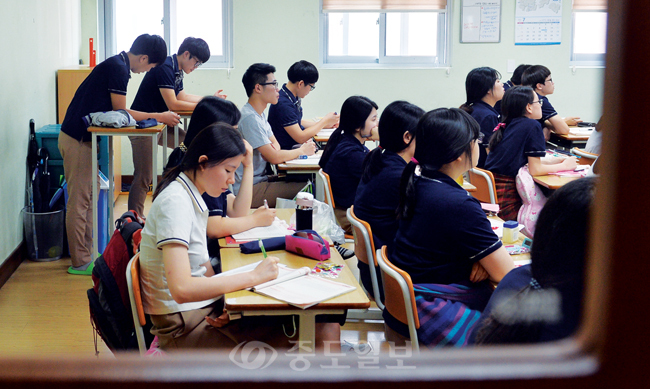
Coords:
pixel 262 248
pixel 266 204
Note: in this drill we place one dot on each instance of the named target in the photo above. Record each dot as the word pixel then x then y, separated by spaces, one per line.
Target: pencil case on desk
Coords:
pixel 270 244
pixel 309 244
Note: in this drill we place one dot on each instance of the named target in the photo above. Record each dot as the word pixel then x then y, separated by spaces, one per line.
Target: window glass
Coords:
pixel 353 34
pixel 590 32
pixel 136 17
pixel 200 19
pixel 411 34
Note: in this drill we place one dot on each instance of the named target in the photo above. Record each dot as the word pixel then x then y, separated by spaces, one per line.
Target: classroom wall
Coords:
pixel 282 32
pixel 38 37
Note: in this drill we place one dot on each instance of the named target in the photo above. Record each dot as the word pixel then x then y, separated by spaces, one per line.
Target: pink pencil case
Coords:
pixel 309 244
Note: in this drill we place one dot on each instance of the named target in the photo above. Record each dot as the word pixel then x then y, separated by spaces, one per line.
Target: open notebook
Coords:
pixel 277 229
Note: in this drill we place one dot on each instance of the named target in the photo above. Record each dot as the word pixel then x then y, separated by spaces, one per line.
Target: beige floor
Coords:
pixel 44 311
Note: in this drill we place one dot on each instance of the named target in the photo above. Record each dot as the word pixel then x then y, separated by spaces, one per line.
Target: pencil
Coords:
pixel 262 248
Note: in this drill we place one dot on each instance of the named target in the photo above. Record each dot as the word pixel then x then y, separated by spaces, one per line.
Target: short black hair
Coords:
pixel 303 71
pixel 535 75
pixel 256 74
pixel 519 71
pixel 153 46
pixel 197 47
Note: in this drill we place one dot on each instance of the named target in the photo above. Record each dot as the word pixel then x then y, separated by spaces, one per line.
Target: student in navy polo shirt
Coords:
pixel 343 156
pixel 484 89
pixel 378 192
pixel 519 141
pixel 444 237
pixel 515 80
pixel 103 90
pixel 285 117
pixel 162 90
pixel 539 78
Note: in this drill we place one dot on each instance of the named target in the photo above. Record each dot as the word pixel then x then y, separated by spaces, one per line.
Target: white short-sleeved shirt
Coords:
pixel 257 131
pixel 178 215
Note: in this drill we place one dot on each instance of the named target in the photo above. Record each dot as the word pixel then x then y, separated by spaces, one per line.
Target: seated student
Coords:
pixel 184 301
pixel 515 80
pixel 595 139
pixel 285 117
pixel 539 78
pixel 208 111
pixel 484 89
pixel 343 156
pixel 518 141
pixel 378 192
pixel 444 239
pixel 262 89
pixel 542 301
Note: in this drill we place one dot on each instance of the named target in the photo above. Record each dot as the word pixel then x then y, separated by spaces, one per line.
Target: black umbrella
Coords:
pixel 32 162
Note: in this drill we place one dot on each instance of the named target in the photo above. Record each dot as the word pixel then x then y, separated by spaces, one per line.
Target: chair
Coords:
pixel 586 158
pixel 483 180
pixel 364 249
pixel 135 296
pixel 329 197
pixel 399 296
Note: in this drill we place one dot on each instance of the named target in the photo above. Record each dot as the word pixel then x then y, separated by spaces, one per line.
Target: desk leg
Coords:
pixel 95 249
pixel 111 188
pixel 154 157
pixel 175 137
pixel 164 142
pixel 307 331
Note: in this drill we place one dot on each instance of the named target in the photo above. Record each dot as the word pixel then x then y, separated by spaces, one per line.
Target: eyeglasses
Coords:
pixel 550 79
pixel 541 102
pixel 274 83
pixel 312 87
pixel 197 63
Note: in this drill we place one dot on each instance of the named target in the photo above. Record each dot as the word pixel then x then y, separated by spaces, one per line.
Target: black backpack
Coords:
pixel 110 307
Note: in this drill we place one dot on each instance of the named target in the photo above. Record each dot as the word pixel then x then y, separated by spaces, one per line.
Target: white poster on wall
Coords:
pixel 481 21
pixel 538 22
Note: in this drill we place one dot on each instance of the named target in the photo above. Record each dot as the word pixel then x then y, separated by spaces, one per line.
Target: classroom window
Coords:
pixel 589 38
pixel 174 20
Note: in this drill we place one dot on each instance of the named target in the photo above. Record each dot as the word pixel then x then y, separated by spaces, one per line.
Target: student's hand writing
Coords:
pixel 330 120
pixel 248 156
pixel 478 273
pixel 170 118
pixel 308 148
pixel 572 120
pixel 264 216
pixel 218 94
pixel 570 163
pixel 267 270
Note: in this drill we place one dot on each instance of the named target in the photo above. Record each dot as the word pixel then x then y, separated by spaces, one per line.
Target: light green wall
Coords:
pixel 38 37
pixel 282 32
pixel 88 29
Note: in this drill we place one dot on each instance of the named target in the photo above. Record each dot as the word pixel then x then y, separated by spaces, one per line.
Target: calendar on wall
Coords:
pixel 538 22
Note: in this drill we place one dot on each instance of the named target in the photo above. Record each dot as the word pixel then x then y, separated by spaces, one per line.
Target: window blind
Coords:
pixel 590 5
pixel 383 5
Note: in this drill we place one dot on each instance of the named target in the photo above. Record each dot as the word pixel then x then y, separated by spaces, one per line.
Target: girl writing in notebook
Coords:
pixel 518 141
pixel 444 240
pixel 378 192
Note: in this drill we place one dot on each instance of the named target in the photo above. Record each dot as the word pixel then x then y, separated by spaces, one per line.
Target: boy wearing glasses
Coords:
pixel 162 90
pixel 262 89
pixel 285 117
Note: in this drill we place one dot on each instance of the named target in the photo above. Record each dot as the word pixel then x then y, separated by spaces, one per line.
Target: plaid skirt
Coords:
pixel 509 200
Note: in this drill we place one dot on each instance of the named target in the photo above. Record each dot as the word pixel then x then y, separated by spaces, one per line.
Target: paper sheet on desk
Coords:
pixel 277 229
pixel 311 160
pixel 326 132
pixel 581 131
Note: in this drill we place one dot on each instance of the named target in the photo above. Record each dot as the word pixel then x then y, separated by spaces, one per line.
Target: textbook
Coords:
pixel 277 229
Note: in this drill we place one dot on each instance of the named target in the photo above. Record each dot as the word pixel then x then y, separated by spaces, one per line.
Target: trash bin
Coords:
pixel 43 234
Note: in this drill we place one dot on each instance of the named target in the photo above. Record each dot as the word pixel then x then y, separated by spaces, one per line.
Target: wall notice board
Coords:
pixel 481 21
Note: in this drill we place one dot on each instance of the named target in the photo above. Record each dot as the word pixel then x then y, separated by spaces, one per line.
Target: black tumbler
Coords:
pixel 304 219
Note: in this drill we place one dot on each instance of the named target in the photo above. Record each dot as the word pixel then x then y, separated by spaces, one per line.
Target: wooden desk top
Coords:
pixel 187 112
pixel 573 137
pixel 553 181
pixel 130 130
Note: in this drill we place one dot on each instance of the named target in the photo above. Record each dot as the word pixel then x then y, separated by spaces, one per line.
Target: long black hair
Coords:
pixel 478 83
pixel 354 113
pixel 218 142
pixel 398 117
pixel 443 135
pixel 513 106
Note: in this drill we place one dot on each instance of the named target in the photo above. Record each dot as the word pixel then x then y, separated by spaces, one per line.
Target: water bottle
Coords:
pixel 304 211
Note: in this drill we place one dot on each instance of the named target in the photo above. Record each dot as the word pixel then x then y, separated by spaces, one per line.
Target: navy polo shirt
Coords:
pixel 345 168
pixel 446 235
pixel 507 85
pixel 487 117
pixel 285 113
pixel 166 76
pixel 217 207
pixel 94 94
pixel 547 110
pixel 377 200
pixel 522 138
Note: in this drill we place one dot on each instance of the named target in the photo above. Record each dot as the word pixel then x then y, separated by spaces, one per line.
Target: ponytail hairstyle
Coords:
pixel 478 83
pixel 218 142
pixel 513 106
pixel 443 135
pixel 211 109
pixel 354 113
pixel 398 117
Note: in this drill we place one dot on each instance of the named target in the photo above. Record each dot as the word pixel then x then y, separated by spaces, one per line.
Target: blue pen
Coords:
pixel 262 248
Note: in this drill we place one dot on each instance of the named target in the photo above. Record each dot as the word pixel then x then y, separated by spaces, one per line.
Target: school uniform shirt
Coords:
pixel 166 76
pixel 507 85
pixel 180 216
pixel 217 206
pixel 257 131
pixel 377 200
pixel 110 76
pixel 487 117
pixel 345 168
pixel 446 235
pixel 522 138
pixel 547 110
pixel 287 112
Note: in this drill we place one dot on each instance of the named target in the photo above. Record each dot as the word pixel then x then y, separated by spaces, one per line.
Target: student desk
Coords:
pixel 569 140
pixel 111 132
pixel 323 135
pixel 552 181
pixel 186 114
pixel 248 303
pixel 305 166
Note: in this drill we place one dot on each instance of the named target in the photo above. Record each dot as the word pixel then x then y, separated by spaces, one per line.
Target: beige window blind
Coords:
pixel 590 5
pixel 383 5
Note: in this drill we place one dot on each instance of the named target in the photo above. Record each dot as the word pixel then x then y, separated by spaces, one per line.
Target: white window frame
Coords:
pixel 592 60
pixel 107 32
pixel 382 60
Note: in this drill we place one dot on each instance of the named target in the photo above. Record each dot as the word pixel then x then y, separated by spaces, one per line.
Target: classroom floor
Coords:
pixel 44 312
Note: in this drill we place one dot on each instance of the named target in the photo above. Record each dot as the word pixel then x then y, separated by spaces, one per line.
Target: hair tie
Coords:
pixel 182 147
pixel 415 161
pixel 500 125
pixel 535 284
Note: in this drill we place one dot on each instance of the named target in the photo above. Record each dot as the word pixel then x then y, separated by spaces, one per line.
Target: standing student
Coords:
pixel 518 141
pixel 162 90
pixel 345 151
pixel 378 191
pixel 444 239
pixel 539 78
pixel 103 90
pixel 484 89
pixel 262 89
pixel 515 80
pixel 285 117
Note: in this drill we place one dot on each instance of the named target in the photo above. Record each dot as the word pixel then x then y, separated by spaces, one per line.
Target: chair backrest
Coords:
pixel 135 295
pixel 327 188
pixel 364 249
pixel 586 158
pixel 399 296
pixel 483 180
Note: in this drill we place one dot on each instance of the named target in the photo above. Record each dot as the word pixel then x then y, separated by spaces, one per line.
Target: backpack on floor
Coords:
pixel 110 308
pixel 532 198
